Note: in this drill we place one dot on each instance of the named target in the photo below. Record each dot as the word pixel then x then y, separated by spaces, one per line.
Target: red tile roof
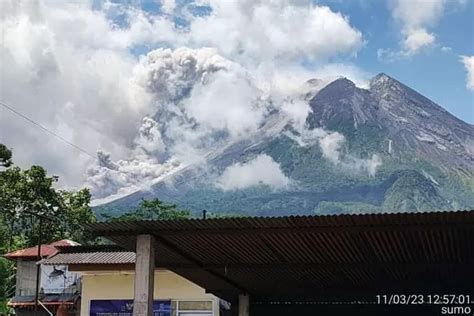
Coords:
pixel 46 250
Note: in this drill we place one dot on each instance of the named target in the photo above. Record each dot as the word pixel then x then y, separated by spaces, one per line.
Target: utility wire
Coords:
pixel 45 129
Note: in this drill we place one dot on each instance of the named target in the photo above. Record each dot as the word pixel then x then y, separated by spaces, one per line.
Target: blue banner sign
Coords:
pixel 125 308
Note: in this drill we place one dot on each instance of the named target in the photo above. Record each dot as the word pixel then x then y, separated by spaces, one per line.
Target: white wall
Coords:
pixel 57 284
pixel 25 277
pixel 119 285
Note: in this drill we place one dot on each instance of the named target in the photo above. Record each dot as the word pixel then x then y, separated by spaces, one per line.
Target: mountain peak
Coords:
pixel 342 85
pixel 392 93
pixel 343 82
pixel 338 89
pixel 382 79
pixel 382 75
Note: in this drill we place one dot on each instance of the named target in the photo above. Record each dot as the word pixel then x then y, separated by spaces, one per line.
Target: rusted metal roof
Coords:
pixel 308 256
pixel 91 255
pixel 46 250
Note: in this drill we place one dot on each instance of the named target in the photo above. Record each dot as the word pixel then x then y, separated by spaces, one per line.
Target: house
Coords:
pixel 294 265
pixel 57 285
pixel 99 281
pixel 107 284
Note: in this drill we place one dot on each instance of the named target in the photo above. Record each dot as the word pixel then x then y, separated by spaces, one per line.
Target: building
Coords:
pixel 57 285
pixel 308 265
pixel 99 280
pixel 297 265
pixel 107 279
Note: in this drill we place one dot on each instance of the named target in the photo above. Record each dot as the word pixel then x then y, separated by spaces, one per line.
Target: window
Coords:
pixel 193 308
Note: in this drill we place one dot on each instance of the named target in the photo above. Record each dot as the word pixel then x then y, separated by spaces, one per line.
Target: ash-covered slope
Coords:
pixel 405 124
pixel 386 148
pixel 416 124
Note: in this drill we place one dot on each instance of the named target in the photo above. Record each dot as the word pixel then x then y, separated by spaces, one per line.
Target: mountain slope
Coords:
pixel 412 125
pixel 386 148
pixel 415 122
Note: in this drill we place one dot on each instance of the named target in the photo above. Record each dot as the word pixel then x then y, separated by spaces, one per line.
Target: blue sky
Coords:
pixel 435 73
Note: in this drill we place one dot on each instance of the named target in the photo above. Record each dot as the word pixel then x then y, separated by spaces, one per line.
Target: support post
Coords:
pixel 144 276
pixel 38 266
pixel 244 305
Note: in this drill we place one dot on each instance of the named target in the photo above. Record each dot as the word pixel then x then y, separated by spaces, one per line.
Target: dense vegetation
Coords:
pixel 319 187
pixel 150 210
pixel 26 193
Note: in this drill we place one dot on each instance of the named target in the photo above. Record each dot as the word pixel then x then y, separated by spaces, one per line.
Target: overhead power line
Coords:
pixel 11 109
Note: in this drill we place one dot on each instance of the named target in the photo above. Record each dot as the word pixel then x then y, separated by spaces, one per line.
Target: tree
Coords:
pixel 77 213
pixel 153 210
pixel 6 283
pixel 25 193
pixel 31 191
pixel 5 156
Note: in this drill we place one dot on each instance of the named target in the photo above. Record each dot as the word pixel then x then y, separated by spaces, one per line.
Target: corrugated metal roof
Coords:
pixel 91 255
pixel 313 255
pixel 380 220
pixel 46 250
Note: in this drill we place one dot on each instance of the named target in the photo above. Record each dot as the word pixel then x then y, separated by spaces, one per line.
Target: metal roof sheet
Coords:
pixel 380 220
pixel 306 256
pixel 91 256
pixel 46 250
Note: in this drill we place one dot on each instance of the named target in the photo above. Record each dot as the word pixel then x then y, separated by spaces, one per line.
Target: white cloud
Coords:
pixel 262 170
pixel 70 67
pixel 417 13
pixel 446 49
pixel 332 147
pixel 468 62
pixel 122 177
pixel 331 72
pixel 297 111
pixel 63 67
pixel 285 80
pixel 259 30
pixel 415 18
pixel 228 101
pixel 417 39
pixel 168 6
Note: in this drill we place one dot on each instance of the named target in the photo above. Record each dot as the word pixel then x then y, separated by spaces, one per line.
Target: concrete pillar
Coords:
pixel 144 276
pixel 244 305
